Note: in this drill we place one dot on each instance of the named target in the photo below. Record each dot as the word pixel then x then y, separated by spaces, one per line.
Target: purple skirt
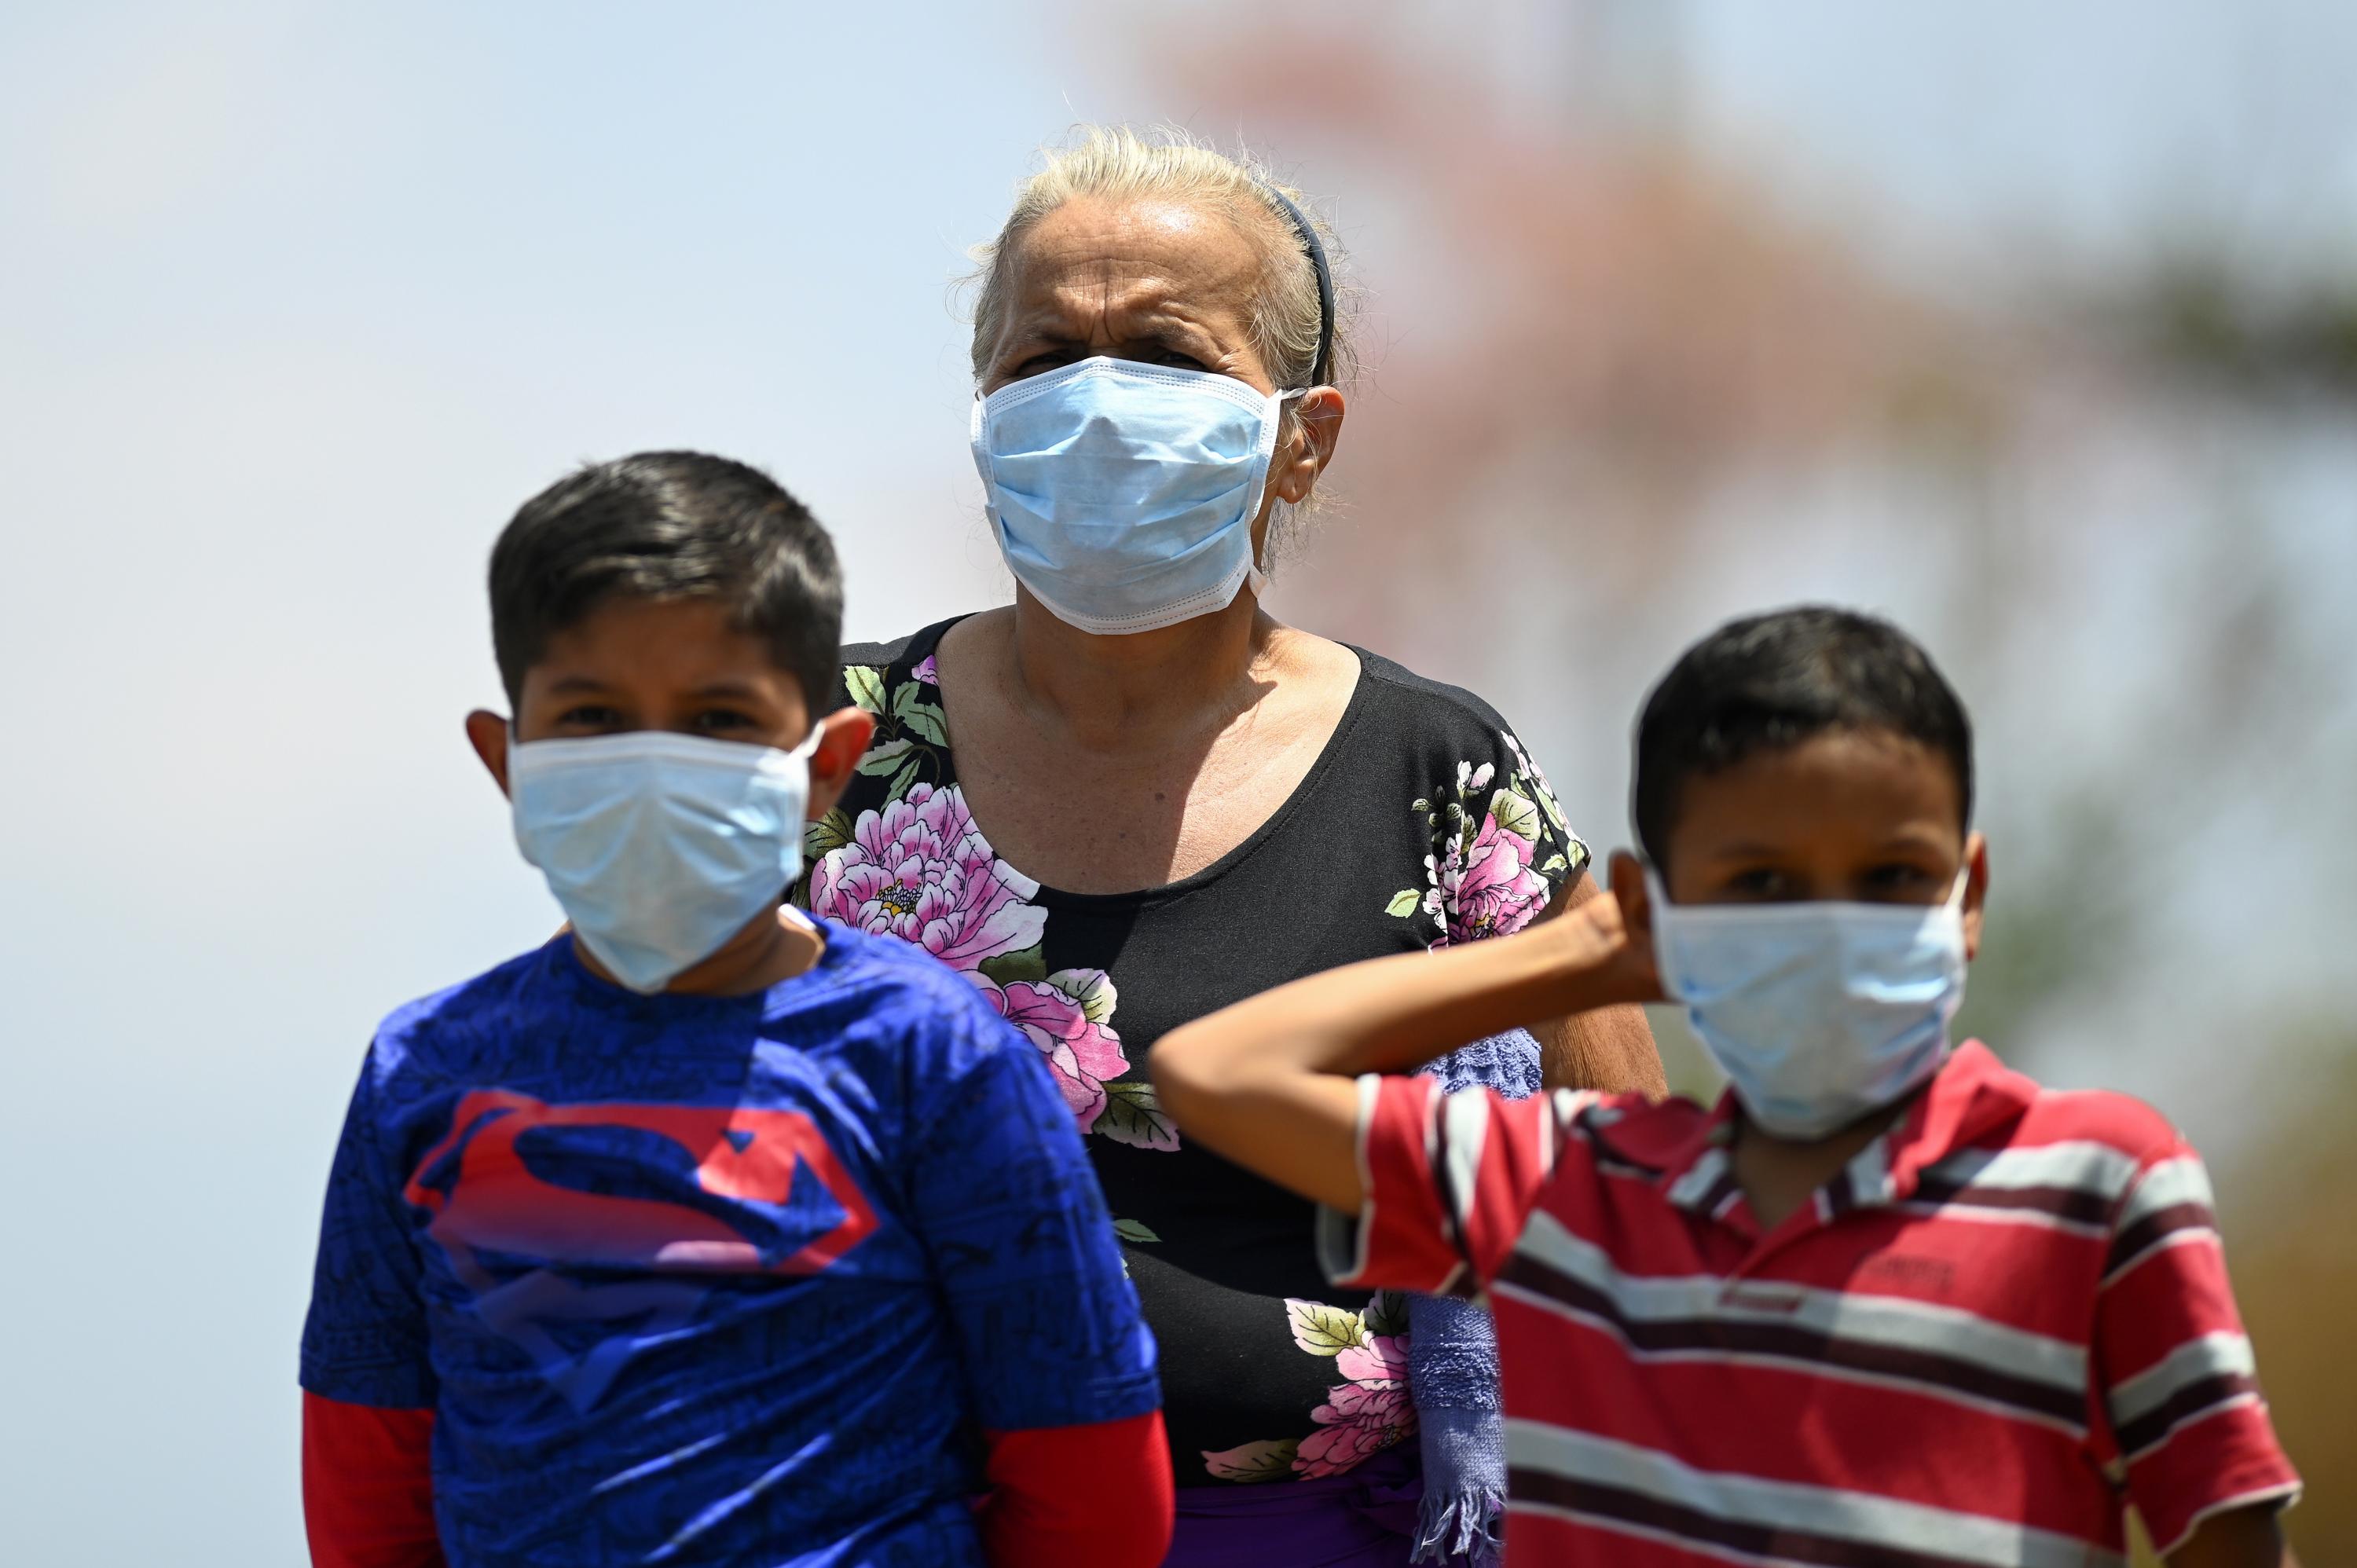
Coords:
pixel 1365 1519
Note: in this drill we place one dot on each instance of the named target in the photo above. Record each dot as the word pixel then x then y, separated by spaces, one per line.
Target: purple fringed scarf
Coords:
pixel 1452 1362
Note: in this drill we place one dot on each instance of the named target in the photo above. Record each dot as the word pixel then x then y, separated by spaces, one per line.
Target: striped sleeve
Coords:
pixel 1449 1181
pixel 2179 1386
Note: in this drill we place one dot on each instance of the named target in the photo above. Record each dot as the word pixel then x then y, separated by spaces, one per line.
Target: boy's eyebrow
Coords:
pixel 727 688
pixel 575 684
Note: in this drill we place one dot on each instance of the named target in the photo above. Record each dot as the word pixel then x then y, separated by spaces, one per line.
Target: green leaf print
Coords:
pixel 1133 1115
pixel 1404 902
pixel 1266 1461
pixel 1092 988
pixel 921 718
pixel 1386 1313
pixel 1324 1330
pixel 885 758
pixel 1548 804
pixel 827 834
pixel 1553 865
pixel 906 777
pixel 1131 1230
pixel 1009 967
pixel 865 684
pixel 1516 815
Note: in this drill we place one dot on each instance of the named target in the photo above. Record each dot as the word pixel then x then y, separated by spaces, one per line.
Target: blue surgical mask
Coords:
pixel 659 846
pixel 1123 495
pixel 1819 1013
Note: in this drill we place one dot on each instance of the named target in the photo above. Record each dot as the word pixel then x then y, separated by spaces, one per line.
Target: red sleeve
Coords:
pixel 367 1486
pixel 1079 1497
pixel 2185 1415
pixel 1449 1181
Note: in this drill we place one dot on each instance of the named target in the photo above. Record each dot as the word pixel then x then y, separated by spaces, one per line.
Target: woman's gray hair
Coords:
pixel 1114 163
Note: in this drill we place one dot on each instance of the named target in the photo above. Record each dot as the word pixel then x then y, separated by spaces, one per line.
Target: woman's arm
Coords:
pixel 2244 1537
pixel 1267 1082
pixel 1611 1049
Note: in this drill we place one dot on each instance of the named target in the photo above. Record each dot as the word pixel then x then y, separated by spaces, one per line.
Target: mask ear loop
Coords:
pixel 1255 578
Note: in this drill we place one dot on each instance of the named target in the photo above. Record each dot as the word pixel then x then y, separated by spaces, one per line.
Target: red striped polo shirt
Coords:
pixel 2003 1321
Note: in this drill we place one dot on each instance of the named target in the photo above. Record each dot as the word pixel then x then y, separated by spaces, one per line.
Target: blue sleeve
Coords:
pixel 1046 1320
pixel 364 1341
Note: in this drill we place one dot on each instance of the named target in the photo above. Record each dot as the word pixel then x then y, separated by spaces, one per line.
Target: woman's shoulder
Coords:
pixel 1429 706
pixel 871 670
pixel 912 648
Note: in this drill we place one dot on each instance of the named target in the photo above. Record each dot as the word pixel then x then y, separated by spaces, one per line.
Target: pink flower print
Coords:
pixel 1493 891
pixel 926 672
pixel 918 869
pixel 1081 1052
pixel 1363 1416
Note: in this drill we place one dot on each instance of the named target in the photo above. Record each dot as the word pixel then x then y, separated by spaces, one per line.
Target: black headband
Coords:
pixel 1321 367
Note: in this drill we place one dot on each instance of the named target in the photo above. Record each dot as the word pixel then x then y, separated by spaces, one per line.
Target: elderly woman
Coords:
pixel 1132 797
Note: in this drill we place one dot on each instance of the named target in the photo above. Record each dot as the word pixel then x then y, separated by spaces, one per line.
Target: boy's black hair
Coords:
pixel 669 525
pixel 1775 680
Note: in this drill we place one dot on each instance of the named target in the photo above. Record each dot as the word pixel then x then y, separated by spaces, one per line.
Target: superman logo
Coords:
pixel 534 1204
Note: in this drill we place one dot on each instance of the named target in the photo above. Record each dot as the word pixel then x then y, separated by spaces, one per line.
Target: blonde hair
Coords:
pixel 1114 163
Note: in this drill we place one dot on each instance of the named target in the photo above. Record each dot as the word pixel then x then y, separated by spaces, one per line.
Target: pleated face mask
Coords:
pixel 1819 1013
pixel 659 847
pixel 1123 495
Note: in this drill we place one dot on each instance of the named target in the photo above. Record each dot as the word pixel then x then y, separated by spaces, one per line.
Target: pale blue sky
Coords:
pixel 300 301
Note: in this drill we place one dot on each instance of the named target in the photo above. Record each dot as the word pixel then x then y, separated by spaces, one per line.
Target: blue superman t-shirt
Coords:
pixel 718 1280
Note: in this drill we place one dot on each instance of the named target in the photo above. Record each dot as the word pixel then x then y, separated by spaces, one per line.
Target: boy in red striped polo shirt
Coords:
pixel 1886 1305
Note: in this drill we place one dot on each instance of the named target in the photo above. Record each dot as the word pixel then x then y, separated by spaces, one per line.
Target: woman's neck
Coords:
pixel 1112 692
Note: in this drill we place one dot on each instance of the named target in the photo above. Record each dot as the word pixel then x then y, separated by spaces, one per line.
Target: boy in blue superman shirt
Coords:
pixel 703 1234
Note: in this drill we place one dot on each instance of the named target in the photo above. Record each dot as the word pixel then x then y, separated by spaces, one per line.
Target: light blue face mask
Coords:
pixel 659 847
pixel 1819 1013
pixel 1123 495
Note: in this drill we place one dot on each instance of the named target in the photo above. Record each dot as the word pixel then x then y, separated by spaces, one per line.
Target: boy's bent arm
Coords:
pixel 1610 1050
pixel 1268 1082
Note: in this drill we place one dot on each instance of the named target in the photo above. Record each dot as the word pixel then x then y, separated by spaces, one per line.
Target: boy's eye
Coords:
pixel 719 720
pixel 1763 883
pixel 589 716
pixel 1899 881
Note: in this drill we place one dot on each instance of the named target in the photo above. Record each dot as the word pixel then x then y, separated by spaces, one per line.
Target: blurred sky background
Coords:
pixel 2034 326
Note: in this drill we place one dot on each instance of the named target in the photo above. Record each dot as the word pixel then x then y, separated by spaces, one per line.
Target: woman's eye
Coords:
pixel 1182 362
pixel 1037 364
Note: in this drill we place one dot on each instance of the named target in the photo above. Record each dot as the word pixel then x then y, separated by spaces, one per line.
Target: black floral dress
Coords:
pixel 1421 823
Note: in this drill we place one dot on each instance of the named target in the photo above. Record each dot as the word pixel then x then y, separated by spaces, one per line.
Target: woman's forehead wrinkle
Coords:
pixel 1089 260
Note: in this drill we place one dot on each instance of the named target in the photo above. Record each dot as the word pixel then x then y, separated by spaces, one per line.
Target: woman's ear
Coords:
pixel 1316 429
pixel 488 734
pixel 842 737
pixel 1977 875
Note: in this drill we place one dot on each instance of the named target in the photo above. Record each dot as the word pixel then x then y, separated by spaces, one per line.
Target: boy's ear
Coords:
pixel 488 733
pixel 1636 900
pixel 842 737
pixel 1977 875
